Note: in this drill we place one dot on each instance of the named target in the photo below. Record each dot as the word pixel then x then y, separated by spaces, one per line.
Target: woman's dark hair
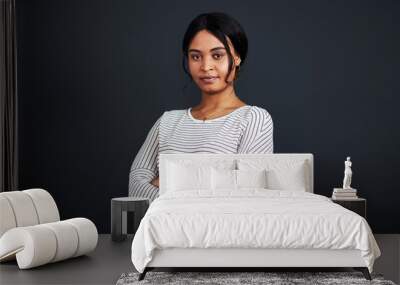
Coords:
pixel 221 26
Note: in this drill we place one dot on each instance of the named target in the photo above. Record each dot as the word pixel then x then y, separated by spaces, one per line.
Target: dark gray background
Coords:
pixel 95 75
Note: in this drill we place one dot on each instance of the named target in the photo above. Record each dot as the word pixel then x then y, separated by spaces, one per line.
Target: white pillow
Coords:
pixel 251 178
pixel 188 174
pixel 291 179
pixel 223 179
pixel 188 177
pixel 281 174
pixel 228 179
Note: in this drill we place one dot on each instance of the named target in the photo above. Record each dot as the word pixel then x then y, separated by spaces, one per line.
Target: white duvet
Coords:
pixel 250 219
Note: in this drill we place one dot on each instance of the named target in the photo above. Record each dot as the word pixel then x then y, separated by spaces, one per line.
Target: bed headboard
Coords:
pixel 205 158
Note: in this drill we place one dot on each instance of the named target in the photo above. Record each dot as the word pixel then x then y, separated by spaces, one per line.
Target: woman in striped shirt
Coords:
pixel 214 49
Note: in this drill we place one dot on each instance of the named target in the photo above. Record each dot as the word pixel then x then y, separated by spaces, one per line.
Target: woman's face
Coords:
pixel 208 62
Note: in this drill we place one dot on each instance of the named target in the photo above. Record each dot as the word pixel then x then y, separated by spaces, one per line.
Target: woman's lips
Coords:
pixel 209 80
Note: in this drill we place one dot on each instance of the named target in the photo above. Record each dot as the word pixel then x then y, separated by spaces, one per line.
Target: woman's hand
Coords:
pixel 156 181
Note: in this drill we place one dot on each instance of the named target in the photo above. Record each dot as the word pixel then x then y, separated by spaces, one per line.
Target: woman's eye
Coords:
pixel 216 56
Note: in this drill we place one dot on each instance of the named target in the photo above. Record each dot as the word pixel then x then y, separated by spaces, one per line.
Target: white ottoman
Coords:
pixel 31 230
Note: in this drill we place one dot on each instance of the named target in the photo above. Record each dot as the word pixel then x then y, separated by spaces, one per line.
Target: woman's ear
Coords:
pixel 237 61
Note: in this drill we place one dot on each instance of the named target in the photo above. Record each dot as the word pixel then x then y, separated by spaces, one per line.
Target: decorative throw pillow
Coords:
pixel 281 174
pixel 292 179
pixel 188 177
pixel 223 179
pixel 251 178
pixel 192 174
pixel 228 179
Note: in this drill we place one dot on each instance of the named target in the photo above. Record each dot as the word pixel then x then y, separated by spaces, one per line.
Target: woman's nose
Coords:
pixel 206 64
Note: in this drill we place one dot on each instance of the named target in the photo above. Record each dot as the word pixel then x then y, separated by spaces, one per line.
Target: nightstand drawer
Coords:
pixel 358 206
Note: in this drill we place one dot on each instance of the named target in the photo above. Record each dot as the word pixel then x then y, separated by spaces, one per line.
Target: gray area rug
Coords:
pixel 273 278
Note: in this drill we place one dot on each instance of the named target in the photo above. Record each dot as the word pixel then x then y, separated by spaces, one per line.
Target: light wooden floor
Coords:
pixel 110 260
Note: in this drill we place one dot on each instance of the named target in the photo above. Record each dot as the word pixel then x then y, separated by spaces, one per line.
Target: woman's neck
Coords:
pixel 224 99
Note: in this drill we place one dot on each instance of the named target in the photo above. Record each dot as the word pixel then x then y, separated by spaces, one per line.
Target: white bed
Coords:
pixel 198 223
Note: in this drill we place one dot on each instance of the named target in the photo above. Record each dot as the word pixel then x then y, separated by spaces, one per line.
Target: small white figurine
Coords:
pixel 347 174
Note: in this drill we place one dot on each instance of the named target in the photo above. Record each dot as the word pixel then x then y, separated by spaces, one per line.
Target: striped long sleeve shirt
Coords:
pixel 248 129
